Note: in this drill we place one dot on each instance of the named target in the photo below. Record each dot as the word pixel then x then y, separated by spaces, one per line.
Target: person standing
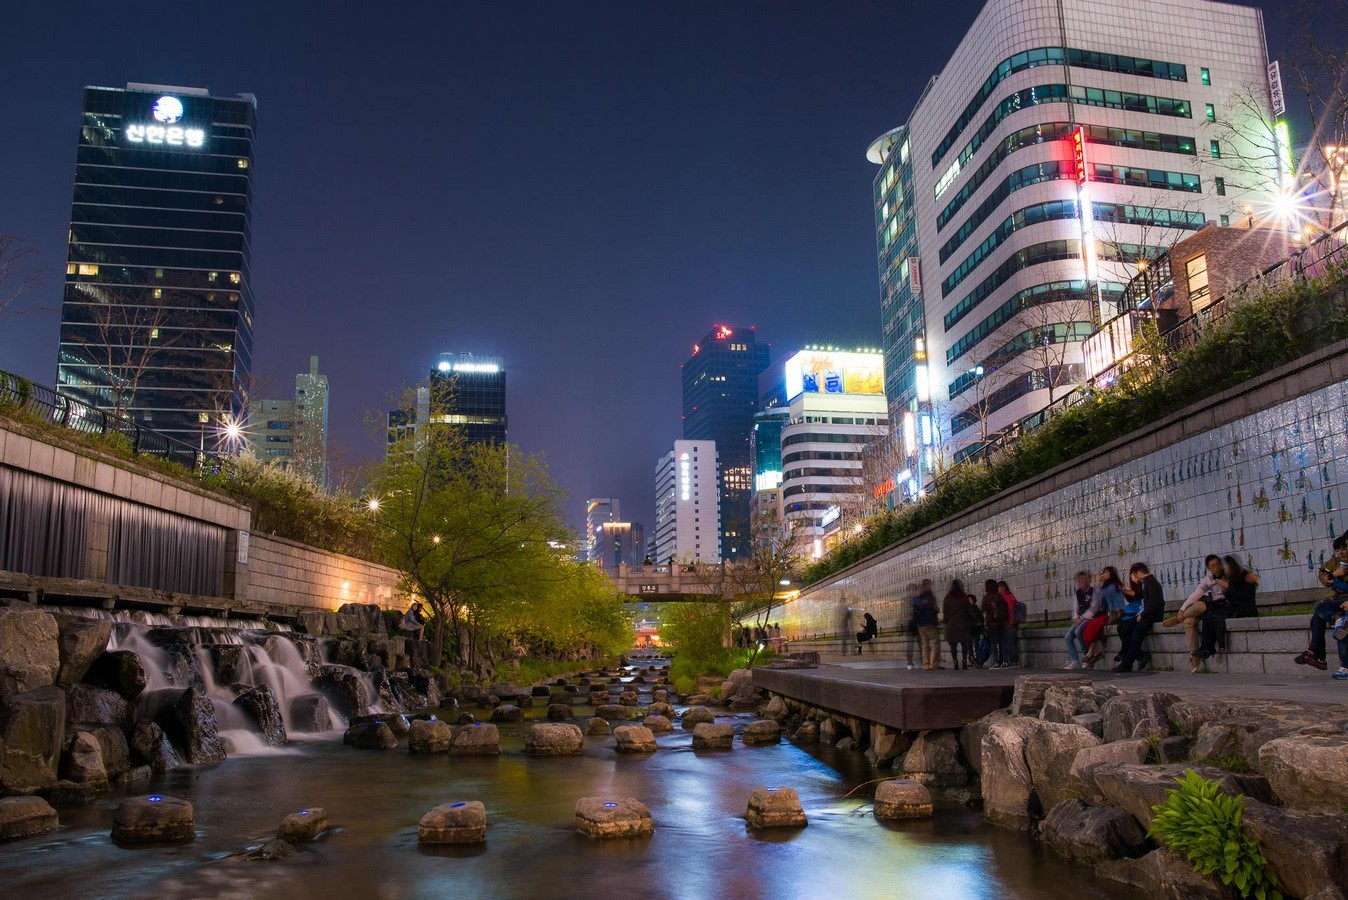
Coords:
pixel 994 622
pixel 958 628
pixel 927 617
pixel 1148 590
pixel 1211 591
pixel 1015 617
pixel 977 636
pixel 1089 605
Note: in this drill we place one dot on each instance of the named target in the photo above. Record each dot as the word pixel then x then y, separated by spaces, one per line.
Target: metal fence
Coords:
pixel 21 395
pixel 1318 258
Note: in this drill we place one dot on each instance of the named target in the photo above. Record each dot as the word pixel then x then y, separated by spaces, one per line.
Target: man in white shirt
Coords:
pixel 1211 589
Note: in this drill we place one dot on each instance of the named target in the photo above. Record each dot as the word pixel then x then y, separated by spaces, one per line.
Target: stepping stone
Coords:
pixel 696 715
pixel 598 727
pixel 708 736
pixel 371 736
pixel 597 817
pixel 507 713
pixel 634 739
pixel 761 733
pixel 612 712
pixel 658 724
pixel 152 820
pixel 303 826
pixel 554 739
pixel 429 736
pixel 478 739
pixel 902 800
pixel 22 817
pixel 775 807
pixel 463 822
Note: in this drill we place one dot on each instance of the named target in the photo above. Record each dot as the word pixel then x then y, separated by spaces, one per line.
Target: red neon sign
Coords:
pixel 1079 155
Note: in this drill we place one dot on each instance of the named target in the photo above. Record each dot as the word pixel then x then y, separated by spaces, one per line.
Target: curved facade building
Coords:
pixel 1065 144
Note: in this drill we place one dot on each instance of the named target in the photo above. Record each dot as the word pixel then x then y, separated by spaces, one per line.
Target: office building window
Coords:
pixel 1215 148
pixel 1197 271
pixel 1225 220
pixel 1206 76
pixel 1221 186
pixel 1210 112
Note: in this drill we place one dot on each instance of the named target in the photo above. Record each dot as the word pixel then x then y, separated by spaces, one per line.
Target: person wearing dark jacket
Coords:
pixel 994 621
pixel 958 629
pixel 869 629
pixel 928 619
pixel 977 639
pixel 1148 589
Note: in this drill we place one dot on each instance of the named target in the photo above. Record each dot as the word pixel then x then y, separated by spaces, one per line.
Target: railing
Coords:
pixel 21 395
pixel 1315 259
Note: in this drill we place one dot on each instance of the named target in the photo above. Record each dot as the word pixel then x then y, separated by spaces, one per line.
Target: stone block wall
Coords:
pixel 286 572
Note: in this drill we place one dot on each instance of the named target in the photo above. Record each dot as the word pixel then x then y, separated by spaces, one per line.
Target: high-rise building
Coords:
pixel 766 443
pixel 599 511
pixel 1065 145
pixel 837 407
pixel 295 432
pixel 619 544
pixel 720 397
pixel 687 506
pixel 157 317
pixel 465 391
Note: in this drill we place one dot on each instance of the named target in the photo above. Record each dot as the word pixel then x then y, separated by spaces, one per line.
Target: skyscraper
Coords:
pixel 1065 144
pixel 599 511
pixel 295 432
pixel 463 390
pixel 687 508
pixel 157 318
pixel 720 397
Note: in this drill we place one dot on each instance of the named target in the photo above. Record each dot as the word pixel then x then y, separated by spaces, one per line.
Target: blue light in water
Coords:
pixel 610 806
pixel 772 790
pixel 457 805
pixel 155 798
pixel 304 812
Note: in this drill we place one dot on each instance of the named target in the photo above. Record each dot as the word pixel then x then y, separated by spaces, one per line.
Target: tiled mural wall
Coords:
pixel 1266 488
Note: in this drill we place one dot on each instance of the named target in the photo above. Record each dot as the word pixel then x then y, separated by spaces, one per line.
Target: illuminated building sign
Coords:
pixel 1079 155
pixel 167 112
pixel 835 372
pixel 1275 94
pixel 685 477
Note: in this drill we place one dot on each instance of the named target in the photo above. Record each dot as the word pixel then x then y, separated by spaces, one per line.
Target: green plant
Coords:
pixel 1230 762
pixel 1203 824
pixel 685 685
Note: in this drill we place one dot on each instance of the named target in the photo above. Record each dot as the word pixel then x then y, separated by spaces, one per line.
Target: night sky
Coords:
pixel 582 188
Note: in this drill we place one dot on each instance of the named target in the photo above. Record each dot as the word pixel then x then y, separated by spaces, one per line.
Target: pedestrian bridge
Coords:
pixel 662 584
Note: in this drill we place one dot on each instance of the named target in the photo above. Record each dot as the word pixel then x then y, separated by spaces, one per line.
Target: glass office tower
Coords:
pixel 157 318
pixel 469 392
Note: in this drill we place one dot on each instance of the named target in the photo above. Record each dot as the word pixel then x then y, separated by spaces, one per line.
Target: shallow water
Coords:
pixel 701 848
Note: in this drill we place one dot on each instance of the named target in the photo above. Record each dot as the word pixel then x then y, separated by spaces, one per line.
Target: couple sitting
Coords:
pixel 1226 591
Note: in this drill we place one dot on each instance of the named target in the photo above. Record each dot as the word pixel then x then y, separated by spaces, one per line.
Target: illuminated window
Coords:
pixel 86 269
pixel 212 276
pixel 70 268
pixel 1215 148
pixel 203 417
pixel 243 164
pixel 1210 112
pixel 233 277
pixel 1225 221
pixel 158 293
pixel 158 273
pixel 1206 76
pixel 154 334
pixel 1197 271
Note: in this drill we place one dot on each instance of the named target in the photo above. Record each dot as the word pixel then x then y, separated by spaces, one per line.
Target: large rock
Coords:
pixel 662 709
pixel 303 826
pixel 1188 716
pixel 1049 752
pixel 1131 714
pixel 345 688
pixel 507 713
pixel 775 807
pixel 1028 697
pixel 113 745
pixel 80 642
pixel 1308 852
pixel 634 739
pixel 933 760
pixel 84 761
pixel 598 727
pixel 900 799
pixel 22 817
pixel 613 712
pixel 694 716
pixel 463 822
pixel 1163 875
pixel 231 662
pixel 310 713
pixel 886 745
pixel 1008 790
pixel 710 736
pixel 776 709
pixel 319 623
pixel 1080 776
pixel 259 704
pixel 191 725
pixel 375 735
pixel 1136 789
pixel 429 736
pixel 32 735
pixel 122 671
pixel 153 748
pixel 29 653
pixel 478 739
pixel 761 733
pixel 98 706
pixel 559 712
pixel 597 817
pixel 1308 772
pixel 153 820
pixel 554 739
pixel 1062 702
pixel 658 724
pixel 971 738
pixel 1088 833
pixel 1228 740
pixel 360 618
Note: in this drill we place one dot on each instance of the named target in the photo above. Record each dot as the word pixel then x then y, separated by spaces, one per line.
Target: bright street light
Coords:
pixel 373 504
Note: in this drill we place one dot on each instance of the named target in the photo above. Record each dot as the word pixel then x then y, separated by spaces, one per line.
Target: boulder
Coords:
pixel 1089 833
pixel 1080 778
pixel 153 820
pixel 1308 852
pixel 310 713
pixel 848 743
pixel 597 727
pixel 1125 714
pixel 1030 691
pixel 694 716
pixel 559 712
pixel 231 663
pixel 68 793
pixel 628 698
pixel 84 761
pixel 153 748
pixel 98 706
pixel 345 688
pixel 259 705
pixel 22 817
pixel 662 709
pixel 1163 875
pixel 429 736
pixel 191 725
pixel 1188 716
pixel 887 745
pixel 660 696
pixel 138 775
pixel 933 760
pixel 540 690
pixel 775 807
pixel 467 719
pixel 462 822
pixel 613 712
pixel 1137 789
pixel 808 732
pixel 1236 738
pixel 360 618
pixel 113 745
pixel 761 733
pixel 776 710
pixel 80 641
pixel 32 735
pixel 122 671
pixel 507 713
pixel 1308 772
pixel 599 698
pixel 554 739
pixel 319 623
pixel 370 736
pixel 478 739
pixel 971 738
pixel 30 656
pixel 634 739
pixel 1049 752
pixel 1008 790
pixel 658 724
pixel 710 736
pixel 902 799
pixel 597 817
pixel 1174 748
pixel 1092 722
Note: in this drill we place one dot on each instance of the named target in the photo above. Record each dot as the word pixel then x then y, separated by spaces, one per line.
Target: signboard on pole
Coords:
pixel 1275 89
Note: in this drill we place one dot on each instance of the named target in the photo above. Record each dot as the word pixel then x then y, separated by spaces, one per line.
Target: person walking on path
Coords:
pixel 1015 617
pixel 1211 591
pixel 994 620
pixel 958 627
pixel 913 638
pixel 1109 588
pixel 1148 590
pixel 1089 604
pixel 927 617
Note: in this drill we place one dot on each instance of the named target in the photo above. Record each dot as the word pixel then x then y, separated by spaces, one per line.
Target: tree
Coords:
pixel 19 274
pixel 776 559
pixel 1320 72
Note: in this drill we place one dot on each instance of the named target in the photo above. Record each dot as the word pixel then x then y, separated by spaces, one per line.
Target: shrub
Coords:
pixel 1203 824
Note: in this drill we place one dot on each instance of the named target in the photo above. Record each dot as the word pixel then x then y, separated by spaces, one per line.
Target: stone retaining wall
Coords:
pixel 286 572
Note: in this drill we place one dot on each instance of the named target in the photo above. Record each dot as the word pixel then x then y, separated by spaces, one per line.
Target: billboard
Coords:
pixel 835 372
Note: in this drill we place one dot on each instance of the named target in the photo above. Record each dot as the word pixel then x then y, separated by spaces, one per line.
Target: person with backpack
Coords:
pixel 958 628
pixel 1016 616
pixel 927 618
pixel 977 635
pixel 994 621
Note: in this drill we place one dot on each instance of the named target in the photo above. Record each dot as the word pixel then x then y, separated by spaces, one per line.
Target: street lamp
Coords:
pixel 373 504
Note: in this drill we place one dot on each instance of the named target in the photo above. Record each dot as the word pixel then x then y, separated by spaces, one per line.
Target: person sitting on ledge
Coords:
pixel 414 620
pixel 1109 588
pixel 1211 591
pixel 1330 614
pixel 869 629
pixel 1145 587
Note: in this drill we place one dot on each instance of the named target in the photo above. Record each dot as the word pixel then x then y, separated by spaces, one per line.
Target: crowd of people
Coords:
pixel 769 636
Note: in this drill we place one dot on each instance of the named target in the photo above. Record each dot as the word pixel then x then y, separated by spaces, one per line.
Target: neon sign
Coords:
pixel 1079 155
pixel 167 110
pixel 166 135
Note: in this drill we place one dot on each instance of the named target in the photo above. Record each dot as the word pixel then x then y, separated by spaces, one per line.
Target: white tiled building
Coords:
pixel 687 505
pixel 1000 245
